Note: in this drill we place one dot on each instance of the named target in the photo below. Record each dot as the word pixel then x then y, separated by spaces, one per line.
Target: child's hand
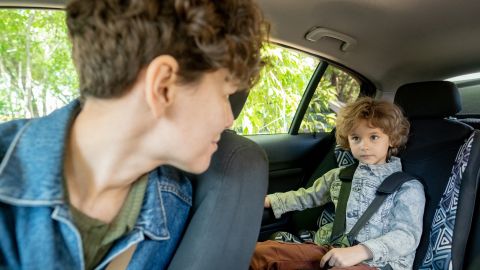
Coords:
pixel 266 204
pixel 345 257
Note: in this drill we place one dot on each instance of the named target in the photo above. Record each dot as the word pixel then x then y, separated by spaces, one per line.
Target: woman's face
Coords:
pixel 201 113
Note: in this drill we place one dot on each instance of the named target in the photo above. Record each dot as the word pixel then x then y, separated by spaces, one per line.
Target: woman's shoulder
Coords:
pixel 8 132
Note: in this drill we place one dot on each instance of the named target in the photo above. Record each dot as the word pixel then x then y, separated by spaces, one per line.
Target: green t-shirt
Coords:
pixel 98 236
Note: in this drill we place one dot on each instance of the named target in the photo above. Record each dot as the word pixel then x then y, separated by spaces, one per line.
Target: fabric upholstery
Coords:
pixel 439 252
pixel 434 99
pixel 469 203
pixel 430 153
pixel 343 157
pixel 227 208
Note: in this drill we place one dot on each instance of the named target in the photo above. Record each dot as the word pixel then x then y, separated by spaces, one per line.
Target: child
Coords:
pixel 93 180
pixel 373 131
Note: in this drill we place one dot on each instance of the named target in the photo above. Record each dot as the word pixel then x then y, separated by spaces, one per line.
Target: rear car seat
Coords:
pixel 431 150
pixel 434 142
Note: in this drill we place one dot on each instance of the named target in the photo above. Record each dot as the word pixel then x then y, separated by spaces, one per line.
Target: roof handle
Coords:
pixel 316 33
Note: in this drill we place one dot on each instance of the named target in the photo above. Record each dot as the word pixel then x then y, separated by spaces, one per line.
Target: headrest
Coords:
pixel 237 101
pixel 429 99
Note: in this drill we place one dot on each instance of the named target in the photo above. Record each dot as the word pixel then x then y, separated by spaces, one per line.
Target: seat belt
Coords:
pixel 346 176
pixel 121 261
pixel 391 184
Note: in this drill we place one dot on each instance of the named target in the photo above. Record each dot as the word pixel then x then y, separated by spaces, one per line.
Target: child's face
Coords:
pixel 368 144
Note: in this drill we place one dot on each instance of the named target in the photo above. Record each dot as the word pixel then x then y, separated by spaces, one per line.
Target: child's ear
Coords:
pixel 160 81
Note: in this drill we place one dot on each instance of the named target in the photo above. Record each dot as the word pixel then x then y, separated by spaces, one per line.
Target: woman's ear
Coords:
pixel 160 81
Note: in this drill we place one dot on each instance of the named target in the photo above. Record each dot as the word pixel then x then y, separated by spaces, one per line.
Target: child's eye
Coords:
pixel 354 138
pixel 374 137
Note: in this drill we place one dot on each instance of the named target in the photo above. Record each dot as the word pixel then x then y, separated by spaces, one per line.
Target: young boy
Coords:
pixel 373 131
pixel 83 185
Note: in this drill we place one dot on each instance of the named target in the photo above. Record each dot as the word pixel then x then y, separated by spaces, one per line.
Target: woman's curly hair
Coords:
pixel 114 39
pixel 378 113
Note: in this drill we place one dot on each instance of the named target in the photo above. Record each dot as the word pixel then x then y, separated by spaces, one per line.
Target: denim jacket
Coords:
pixel 36 228
pixel 392 234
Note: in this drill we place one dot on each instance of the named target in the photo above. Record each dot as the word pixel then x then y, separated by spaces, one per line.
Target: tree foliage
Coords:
pixel 37 76
pixel 36 72
pixel 335 89
pixel 273 101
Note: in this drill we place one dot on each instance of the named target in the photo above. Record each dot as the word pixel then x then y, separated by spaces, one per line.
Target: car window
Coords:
pixel 334 90
pixel 272 103
pixel 469 89
pixel 36 70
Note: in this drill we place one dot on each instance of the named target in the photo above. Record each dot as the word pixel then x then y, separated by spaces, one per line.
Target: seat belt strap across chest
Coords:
pixel 391 184
pixel 346 176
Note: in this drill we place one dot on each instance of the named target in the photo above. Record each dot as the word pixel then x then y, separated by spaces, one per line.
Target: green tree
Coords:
pixel 37 76
pixel 36 71
pixel 272 103
pixel 334 89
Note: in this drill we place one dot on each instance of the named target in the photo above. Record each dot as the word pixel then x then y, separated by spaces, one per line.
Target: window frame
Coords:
pixel 366 89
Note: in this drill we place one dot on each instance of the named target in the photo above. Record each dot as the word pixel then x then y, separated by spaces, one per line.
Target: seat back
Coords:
pixel 433 144
pixel 471 201
pixel 227 205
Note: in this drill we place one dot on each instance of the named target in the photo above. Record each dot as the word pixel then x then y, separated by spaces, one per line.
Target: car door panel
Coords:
pixel 292 159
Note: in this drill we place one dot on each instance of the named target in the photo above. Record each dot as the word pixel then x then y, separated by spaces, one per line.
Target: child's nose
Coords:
pixel 364 145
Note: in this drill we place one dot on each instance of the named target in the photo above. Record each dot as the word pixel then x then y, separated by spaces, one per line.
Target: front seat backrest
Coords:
pixel 227 205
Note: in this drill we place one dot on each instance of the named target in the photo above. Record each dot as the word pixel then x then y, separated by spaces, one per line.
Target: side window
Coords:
pixel 469 89
pixel 272 103
pixel 334 90
pixel 36 71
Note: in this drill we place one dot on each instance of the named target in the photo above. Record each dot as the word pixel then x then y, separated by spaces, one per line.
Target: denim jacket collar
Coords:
pixel 385 169
pixel 31 173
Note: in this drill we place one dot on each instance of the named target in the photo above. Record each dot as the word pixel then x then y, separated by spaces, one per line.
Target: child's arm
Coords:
pixel 406 229
pixel 302 198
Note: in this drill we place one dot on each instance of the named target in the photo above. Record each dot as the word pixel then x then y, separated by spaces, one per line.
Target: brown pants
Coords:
pixel 273 255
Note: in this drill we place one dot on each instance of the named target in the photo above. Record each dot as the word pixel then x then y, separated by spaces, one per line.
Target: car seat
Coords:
pixel 435 142
pixel 227 205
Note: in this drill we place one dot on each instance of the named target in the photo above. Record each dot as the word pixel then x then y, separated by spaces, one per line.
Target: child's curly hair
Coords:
pixel 114 39
pixel 378 113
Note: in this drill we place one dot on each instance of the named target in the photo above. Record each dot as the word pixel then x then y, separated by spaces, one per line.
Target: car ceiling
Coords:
pixel 397 41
